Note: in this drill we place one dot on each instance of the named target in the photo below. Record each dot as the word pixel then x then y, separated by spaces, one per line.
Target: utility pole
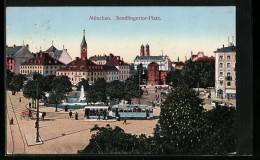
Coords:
pixel 139 86
pixel 37 121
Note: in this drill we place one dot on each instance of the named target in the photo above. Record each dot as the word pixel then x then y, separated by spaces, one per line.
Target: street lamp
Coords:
pixel 37 121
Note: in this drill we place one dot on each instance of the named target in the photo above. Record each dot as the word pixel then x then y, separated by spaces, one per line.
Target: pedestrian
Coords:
pixel 99 117
pixel 76 116
pixel 70 114
pixel 30 113
pixel 12 121
pixel 124 121
pixel 30 104
pixel 20 100
pixel 43 114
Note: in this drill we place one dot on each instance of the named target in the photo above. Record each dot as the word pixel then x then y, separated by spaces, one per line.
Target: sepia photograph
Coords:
pixel 136 80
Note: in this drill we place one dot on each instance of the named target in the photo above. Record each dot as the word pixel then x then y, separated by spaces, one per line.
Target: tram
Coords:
pixel 132 111
pixel 96 112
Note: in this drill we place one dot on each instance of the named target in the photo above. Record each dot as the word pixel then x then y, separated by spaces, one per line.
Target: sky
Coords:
pixel 180 30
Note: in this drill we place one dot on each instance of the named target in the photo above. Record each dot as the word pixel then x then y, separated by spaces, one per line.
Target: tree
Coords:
pixel 17 82
pixel 142 73
pixel 61 84
pixel 56 98
pixel 132 90
pixel 97 91
pixel 30 90
pixel 46 83
pixel 174 78
pixel 85 84
pixel 8 78
pixel 220 131
pixel 181 121
pixel 115 141
pixel 115 90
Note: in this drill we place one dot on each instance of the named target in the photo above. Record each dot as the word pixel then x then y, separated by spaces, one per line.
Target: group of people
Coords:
pixel 76 115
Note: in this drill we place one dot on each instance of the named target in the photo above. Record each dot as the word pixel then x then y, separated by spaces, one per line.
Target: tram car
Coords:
pixel 132 111
pixel 96 112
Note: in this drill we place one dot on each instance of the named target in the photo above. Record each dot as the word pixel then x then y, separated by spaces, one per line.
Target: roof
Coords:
pixel 23 52
pixel 205 59
pixel 43 59
pixel 226 49
pixel 110 68
pixel 82 65
pixel 83 41
pixel 10 51
pixel 94 58
pixel 57 53
pixel 115 62
pixel 149 58
pixel 52 48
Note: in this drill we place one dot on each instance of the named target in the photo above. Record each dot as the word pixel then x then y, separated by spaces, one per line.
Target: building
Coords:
pixel 15 56
pixel 43 63
pixel 123 67
pixel 153 73
pixel 82 68
pixel 102 60
pixel 164 64
pixel 225 72
pixel 179 65
pixel 61 55
pixel 112 73
pixel 194 57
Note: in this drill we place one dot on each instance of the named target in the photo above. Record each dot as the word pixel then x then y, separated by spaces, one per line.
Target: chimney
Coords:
pixel 178 59
pixel 122 59
pixel 223 45
pixel 77 58
pixel 27 45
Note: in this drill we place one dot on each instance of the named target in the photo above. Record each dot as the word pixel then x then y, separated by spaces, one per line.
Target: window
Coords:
pixel 46 71
pixel 220 74
pixel 228 58
pixel 228 74
pixel 220 65
pixel 228 84
pixel 228 65
pixel 221 83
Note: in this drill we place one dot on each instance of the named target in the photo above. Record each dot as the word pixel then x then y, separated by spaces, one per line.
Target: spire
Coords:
pixel 52 43
pixel 83 40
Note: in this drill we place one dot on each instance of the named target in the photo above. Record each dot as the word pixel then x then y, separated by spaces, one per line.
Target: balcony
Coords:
pixel 228 78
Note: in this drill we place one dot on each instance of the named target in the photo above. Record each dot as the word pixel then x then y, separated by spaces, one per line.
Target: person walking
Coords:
pixel 30 104
pixel 20 100
pixel 12 121
pixel 70 114
pixel 124 121
pixel 76 116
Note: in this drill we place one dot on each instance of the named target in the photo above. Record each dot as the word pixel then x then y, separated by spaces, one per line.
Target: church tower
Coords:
pixel 142 50
pixel 147 50
pixel 83 47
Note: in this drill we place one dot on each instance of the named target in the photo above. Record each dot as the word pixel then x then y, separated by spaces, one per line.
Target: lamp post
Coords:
pixel 139 86
pixel 37 121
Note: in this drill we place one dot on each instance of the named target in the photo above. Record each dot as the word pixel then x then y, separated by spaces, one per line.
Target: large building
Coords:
pixel 15 56
pixel 123 67
pixel 225 72
pixel 82 68
pixel 43 63
pixel 146 59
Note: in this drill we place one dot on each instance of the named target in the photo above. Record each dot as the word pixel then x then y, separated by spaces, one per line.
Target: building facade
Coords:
pixel 225 72
pixel 102 60
pixel 42 63
pixel 123 67
pixel 112 73
pixel 15 56
pixel 153 74
pixel 82 68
